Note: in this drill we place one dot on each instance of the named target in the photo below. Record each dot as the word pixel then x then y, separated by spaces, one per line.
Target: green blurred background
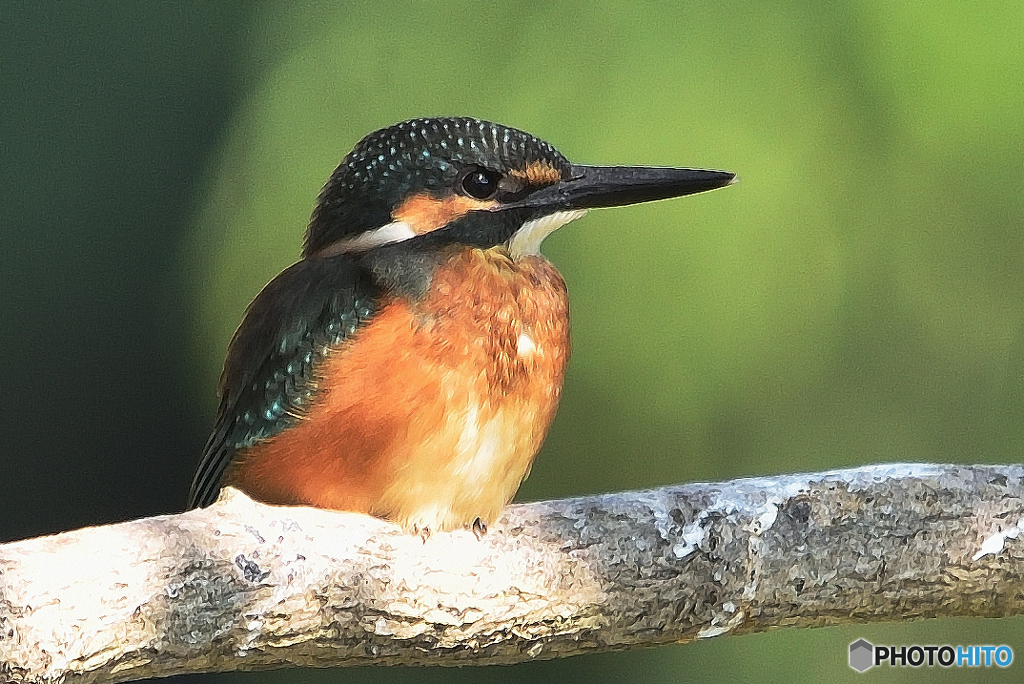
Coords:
pixel 857 298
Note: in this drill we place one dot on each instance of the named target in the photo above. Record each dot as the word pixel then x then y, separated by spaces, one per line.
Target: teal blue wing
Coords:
pixel 269 378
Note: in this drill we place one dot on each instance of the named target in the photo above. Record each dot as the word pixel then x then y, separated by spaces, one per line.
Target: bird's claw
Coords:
pixel 479 529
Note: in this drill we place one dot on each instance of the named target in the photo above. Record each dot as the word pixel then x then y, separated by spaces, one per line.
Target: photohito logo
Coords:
pixel 864 655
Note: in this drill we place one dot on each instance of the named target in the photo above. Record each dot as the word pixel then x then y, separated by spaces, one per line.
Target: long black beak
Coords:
pixel 592 187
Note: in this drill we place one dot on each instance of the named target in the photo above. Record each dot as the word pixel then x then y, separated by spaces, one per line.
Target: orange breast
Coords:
pixel 432 414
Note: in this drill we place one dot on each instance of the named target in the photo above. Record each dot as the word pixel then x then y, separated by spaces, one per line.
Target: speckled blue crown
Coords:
pixel 419 155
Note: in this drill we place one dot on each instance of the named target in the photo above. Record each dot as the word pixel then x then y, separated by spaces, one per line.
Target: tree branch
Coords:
pixel 242 586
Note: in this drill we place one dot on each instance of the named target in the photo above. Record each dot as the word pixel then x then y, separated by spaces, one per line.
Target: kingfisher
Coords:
pixel 409 364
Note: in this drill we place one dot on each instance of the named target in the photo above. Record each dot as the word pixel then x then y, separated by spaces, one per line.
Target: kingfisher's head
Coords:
pixel 464 181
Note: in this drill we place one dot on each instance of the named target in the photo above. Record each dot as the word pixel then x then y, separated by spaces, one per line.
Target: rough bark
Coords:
pixel 242 586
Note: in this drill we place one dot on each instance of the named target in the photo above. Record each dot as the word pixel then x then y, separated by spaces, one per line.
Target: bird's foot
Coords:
pixel 424 532
pixel 479 529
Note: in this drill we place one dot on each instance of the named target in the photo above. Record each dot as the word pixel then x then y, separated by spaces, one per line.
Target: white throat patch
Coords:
pixel 527 240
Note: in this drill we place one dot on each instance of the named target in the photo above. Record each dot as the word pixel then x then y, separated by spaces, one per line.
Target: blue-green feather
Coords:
pixel 269 378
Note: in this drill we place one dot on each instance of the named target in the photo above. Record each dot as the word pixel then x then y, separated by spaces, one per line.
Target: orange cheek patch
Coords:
pixel 538 173
pixel 425 213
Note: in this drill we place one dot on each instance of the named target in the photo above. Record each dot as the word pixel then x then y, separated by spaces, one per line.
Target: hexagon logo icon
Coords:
pixel 861 655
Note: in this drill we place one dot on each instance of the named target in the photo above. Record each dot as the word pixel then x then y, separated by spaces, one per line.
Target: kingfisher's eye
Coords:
pixel 480 183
